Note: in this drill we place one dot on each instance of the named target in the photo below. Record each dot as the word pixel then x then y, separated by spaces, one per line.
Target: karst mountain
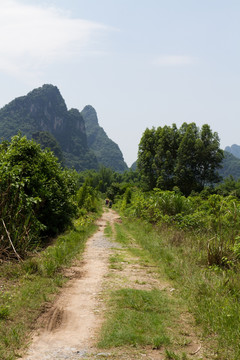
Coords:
pixel 75 137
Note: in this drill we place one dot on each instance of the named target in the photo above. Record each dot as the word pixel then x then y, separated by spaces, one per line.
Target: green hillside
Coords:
pixel 230 166
pixel 107 151
pixel 234 149
pixel 43 110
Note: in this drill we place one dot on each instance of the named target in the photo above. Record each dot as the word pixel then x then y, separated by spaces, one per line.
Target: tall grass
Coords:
pixel 212 293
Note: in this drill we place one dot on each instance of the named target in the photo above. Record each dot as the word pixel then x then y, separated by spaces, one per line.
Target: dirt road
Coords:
pixel 69 330
pixel 70 325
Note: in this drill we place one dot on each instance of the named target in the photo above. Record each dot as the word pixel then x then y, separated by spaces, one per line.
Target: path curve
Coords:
pixel 74 318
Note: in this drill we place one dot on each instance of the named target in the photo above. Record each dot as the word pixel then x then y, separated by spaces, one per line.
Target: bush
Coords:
pixel 214 216
pixel 36 195
pixel 87 198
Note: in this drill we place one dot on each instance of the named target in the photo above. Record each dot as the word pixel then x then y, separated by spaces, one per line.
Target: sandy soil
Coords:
pixel 70 325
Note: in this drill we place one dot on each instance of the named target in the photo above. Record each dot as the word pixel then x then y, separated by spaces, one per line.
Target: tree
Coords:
pixel 166 154
pixel 87 197
pixel 146 158
pixel 47 140
pixel 187 157
pixel 36 195
pixel 229 186
pixel 186 168
pixel 210 156
pixel 198 158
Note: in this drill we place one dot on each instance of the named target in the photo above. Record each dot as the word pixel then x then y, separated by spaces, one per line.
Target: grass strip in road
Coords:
pixel 25 288
pixel 108 230
pixel 137 317
pixel 147 318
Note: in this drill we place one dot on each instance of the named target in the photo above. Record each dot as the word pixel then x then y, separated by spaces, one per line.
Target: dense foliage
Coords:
pixel 35 195
pixel 87 198
pixel 230 166
pixel 47 141
pixel 187 157
pixel 109 183
pixel 216 217
pixel 229 186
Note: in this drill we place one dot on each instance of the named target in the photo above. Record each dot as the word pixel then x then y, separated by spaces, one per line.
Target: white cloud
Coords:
pixel 173 60
pixel 33 37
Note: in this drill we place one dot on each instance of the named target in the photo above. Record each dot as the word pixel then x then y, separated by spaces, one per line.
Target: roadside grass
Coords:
pixel 212 294
pixel 141 318
pixel 26 287
pixel 137 317
pixel 121 236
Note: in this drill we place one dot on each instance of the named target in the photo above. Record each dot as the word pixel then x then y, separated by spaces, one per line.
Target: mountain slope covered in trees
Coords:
pixel 43 115
pixel 107 151
pixel 230 166
pixel 233 149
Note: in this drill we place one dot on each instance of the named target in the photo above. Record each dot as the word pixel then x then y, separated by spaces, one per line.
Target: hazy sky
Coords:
pixel 139 63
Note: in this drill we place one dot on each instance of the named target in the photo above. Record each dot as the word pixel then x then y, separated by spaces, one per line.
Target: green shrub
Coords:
pixel 36 195
pixel 214 216
pixel 87 198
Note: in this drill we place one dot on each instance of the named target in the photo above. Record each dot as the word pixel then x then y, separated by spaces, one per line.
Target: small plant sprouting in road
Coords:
pixel 172 356
pixel 4 312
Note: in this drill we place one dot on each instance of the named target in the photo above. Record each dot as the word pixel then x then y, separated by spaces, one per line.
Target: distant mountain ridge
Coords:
pixel 234 149
pixel 230 166
pixel 43 115
pixel 107 151
pixel 231 162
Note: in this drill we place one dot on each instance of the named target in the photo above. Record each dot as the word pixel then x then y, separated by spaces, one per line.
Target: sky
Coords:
pixel 139 63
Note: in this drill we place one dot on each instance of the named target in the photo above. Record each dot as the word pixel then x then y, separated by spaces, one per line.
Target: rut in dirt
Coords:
pixel 71 325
